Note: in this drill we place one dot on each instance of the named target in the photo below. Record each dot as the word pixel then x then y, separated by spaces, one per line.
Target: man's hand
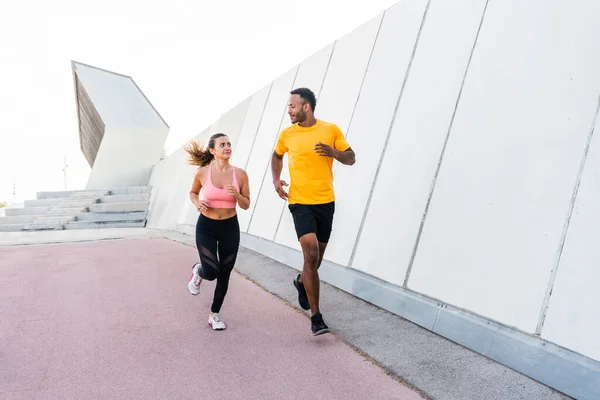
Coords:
pixel 325 150
pixel 279 184
pixel 345 157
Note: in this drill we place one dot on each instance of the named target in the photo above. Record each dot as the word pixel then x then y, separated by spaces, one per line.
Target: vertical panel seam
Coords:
pixel 362 82
pixel 272 146
pixel 254 141
pixel 565 230
pixel 258 126
pixel 318 95
pixel 387 139
pixel 327 68
pixel 443 152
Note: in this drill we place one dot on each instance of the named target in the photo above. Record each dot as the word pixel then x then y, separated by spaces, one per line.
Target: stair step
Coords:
pixel 43 202
pixel 63 194
pixel 120 207
pixel 13 212
pixel 18 219
pixel 73 203
pixel 43 227
pixel 12 227
pixel 66 211
pixel 96 193
pixel 104 225
pixel 112 216
pixel 125 198
pixel 63 219
pixel 131 190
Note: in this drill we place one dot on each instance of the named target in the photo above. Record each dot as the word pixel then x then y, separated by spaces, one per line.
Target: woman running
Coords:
pixel 217 230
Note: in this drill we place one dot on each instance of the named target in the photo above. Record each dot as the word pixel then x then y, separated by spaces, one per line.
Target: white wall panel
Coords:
pixel 412 154
pixel 119 101
pixel 126 157
pixel 269 205
pixel 167 198
pixel 572 320
pixel 268 130
pixel 243 145
pixel 337 98
pixel 371 123
pixel 345 75
pixel 492 233
pixel 232 121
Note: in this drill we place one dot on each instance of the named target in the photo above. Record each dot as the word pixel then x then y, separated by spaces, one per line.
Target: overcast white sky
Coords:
pixel 193 59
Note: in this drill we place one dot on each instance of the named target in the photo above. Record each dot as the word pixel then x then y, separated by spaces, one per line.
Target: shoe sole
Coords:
pixel 297 286
pixel 215 329
pixel 192 293
pixel 321 332
pixel 190 283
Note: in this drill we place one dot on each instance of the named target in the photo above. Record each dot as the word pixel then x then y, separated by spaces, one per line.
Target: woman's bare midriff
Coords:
pixel 219 213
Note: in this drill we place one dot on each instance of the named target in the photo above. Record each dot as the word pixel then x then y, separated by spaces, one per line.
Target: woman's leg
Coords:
pixel 206 243
pixel 229 242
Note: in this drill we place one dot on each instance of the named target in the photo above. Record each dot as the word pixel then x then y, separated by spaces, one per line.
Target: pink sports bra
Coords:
pixel 217 197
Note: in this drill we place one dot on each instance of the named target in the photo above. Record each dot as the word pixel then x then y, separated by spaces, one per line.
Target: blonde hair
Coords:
pixel 197 154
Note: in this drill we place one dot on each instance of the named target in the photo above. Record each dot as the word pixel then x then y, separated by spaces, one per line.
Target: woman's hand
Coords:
pixel 201 206
pixel 232 191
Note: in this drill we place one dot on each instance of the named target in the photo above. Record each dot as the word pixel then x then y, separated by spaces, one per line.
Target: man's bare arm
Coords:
pixel 345 157
pixel 276 167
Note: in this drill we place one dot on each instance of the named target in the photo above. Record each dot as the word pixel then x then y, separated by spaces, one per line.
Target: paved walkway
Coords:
pixel 113 319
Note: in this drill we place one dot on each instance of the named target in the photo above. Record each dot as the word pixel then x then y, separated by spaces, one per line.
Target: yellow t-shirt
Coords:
pixel 311 174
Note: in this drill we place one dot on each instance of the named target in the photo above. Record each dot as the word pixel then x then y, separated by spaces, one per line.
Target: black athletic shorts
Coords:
pixel 313 218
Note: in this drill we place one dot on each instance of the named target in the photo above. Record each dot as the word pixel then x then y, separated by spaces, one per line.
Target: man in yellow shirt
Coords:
pixel 312 145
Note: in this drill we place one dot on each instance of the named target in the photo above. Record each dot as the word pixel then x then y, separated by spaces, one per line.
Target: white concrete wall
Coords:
pixel 471 141
pixel 572 318
pixel 126 157
pixel 417 137
pixel 117 98
pixel 368 131
pixel 494 227
pixel 134 133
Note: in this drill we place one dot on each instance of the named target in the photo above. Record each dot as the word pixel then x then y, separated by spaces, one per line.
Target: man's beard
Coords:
pixel 300 116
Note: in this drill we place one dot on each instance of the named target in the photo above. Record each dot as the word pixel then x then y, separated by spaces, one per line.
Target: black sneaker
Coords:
pixel 302 297
pixel 318 326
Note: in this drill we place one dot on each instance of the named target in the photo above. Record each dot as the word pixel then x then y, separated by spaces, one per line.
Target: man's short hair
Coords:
pixel 307 96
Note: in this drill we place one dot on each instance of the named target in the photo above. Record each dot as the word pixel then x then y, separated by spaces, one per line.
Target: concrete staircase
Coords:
pixel 81 209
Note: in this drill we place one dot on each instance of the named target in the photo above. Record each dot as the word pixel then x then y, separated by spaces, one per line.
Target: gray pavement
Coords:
pixel 437 367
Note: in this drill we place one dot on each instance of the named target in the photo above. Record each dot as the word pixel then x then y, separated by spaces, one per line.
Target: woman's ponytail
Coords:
pixel 197 154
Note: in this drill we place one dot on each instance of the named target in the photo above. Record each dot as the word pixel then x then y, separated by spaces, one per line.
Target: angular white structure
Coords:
pixel 121 133
pixel 472 209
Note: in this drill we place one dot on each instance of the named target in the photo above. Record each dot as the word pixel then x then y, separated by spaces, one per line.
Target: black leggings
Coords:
pixel 220 237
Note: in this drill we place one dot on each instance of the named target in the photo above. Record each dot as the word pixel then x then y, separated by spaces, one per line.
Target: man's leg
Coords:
pixel 322 246
pixel 310 275
pixel 310 279
pixel 323 214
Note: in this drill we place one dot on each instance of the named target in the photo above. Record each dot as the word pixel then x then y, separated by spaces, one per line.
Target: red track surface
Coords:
pixel 114 320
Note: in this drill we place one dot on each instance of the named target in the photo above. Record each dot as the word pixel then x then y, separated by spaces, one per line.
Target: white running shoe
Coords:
pixel 195 280
pixel 215 322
